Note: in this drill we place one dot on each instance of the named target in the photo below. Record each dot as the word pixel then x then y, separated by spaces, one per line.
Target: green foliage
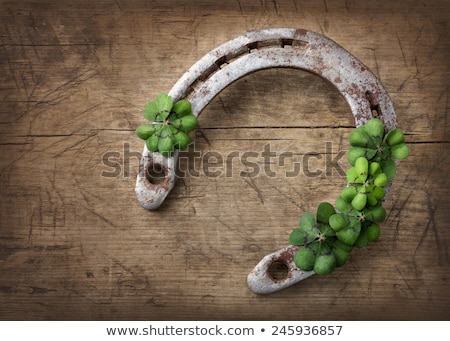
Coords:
pixel 329 236
pixel 169 124
pixel 370 142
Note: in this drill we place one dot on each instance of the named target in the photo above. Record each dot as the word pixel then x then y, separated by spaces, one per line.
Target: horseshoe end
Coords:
pixel 155 179
pixel 261 281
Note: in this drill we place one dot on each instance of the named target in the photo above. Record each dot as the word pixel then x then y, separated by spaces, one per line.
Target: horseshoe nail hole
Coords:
pixel 374 107
pixel 156 173
pixel 221 62
pixel 287 42
pixel 252 47
pixel 278 270
pixel 376 113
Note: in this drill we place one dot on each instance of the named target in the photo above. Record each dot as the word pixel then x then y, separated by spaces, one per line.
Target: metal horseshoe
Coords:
pixel 248 53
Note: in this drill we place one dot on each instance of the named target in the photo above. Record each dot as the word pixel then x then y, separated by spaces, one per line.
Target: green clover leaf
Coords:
pixel 169 124
pixel 328 239
pixel 306 232
pixel 370 142
pixel 366 182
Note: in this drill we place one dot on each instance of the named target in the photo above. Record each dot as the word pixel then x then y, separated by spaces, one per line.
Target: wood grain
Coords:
pixel 74 242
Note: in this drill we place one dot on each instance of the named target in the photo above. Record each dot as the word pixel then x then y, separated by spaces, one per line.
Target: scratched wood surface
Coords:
pixel 75 243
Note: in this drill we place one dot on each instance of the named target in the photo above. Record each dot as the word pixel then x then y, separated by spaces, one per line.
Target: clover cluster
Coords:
pixel 169 124
pixel 329 236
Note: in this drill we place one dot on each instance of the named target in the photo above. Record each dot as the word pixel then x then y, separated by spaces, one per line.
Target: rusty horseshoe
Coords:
pixel 248 53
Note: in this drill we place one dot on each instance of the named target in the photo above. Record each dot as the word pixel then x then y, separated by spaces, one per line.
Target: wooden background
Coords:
pixel 76 244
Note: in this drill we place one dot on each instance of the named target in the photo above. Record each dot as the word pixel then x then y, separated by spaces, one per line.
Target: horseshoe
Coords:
pixel 248 53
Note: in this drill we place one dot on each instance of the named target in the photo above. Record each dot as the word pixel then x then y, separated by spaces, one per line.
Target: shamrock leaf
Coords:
pixel 349 234
pixel 366 184
pixel 317 256
pixel 370 142
pixel 170 124
pixel 328 239
pixel 306 232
